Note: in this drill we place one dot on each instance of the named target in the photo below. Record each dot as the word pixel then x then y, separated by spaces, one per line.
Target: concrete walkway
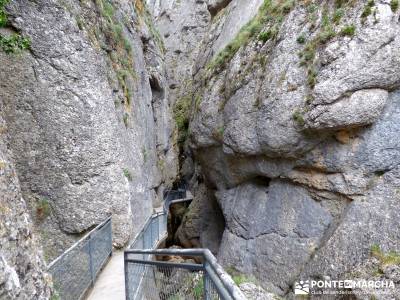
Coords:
pixel 111 283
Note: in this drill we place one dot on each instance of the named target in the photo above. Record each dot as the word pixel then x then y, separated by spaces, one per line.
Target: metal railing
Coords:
pixel 152 232
pixel 148 278
pixel 151 279
pixel 171 196
pixel 77 268
pixel 156 226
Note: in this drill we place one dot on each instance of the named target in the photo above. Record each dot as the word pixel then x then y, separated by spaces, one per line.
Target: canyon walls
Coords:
pixel 294 132
pixel 283 117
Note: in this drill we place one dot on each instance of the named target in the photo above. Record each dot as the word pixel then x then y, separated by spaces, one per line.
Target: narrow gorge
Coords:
pixel 281 117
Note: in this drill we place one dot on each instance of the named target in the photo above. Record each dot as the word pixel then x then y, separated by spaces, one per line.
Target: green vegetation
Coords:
pixel 298 118
pixel 270 14
pixel 175 297
pixel 80 22
pixel 390 258
pixel 239 278
pixel 141 8
pixel 126 120
pixel 394 5
pixel 117 46
pixel 218 133
pixel 301 39
pixel 264 36
pixel 197 101
pixel 348 30
pixel 311 76
pixel 161 164
pixel 368 9
pixel 221 130
pixel 312 17
pixel 128 174
pixel 107 10
pixel 124 78
pixel 308 54
pixel 12 43
pixel 55 296
pixel 337 15
pixel 181 116
pixel 43 208
pixel 3 15
pixel 326 33
pixel 198 290
pixel 145 154
pixel 309 99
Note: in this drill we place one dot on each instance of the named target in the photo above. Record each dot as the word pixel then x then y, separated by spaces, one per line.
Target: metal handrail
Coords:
pixel 95 260
pixel 226 288
pixel 76 244
pixel 222 281
pixel 144 227
pixel 168 200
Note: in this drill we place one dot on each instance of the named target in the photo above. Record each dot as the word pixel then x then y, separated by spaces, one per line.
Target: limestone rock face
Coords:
pixel 296 131
pixel 21 261
pixel 362 108
pixel 203 224
pixel 292 151
pixel 88 115
pixel 271 223
pixel 253 291
pixel 182 25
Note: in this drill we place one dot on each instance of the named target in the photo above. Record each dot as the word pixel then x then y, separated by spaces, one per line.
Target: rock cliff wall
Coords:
pixel 293 131
pixel 88 118
pixel 288 129
pixel 21 264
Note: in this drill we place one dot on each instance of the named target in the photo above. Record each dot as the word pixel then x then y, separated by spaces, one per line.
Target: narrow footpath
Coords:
pixel 111 283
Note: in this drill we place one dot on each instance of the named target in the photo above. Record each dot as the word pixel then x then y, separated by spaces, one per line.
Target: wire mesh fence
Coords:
pixel 76 269
pixel 165 282
pixel 149 277
pixel 150 274
pixel 152 233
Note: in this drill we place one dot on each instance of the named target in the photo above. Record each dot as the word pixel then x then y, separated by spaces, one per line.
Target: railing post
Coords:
pixel 127 294
pixel 206 283
pixel 143 245
pixel 111 241
pixel 151 232
pixel 91 260
pixel 158 228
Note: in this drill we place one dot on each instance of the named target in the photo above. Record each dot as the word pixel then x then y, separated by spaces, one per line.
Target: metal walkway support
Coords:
pixel 75 271
pixel 150 279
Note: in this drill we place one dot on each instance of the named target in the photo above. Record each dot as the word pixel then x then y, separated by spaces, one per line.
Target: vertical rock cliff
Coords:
pixel 22 268
pixel 293 136
pixel 283 117
pixel 84 97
